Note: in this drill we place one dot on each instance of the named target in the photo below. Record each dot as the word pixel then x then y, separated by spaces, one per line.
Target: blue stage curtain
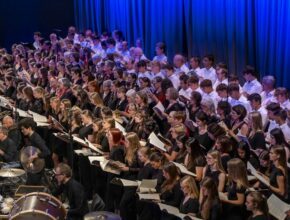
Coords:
pixel 255 32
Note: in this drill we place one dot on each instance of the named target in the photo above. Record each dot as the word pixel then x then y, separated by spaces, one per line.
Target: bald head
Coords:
pixel 7 122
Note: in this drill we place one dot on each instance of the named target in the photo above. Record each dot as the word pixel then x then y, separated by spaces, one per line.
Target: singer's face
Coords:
pixel 249 203
pixel 25 131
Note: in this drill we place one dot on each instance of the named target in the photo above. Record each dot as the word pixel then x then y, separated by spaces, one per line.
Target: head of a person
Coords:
pixel 27 126
pixel 256 201
pixel 188 186
pixel 208 61
pixel 63 173
pixel 249 73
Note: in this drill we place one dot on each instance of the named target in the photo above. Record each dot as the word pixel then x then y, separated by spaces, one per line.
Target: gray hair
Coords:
pixel 269 80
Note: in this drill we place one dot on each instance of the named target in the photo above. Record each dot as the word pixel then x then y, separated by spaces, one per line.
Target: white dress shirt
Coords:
pixel 253 86
pixel 208 74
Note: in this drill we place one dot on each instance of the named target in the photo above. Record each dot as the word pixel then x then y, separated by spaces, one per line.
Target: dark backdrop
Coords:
pixel 20 18
pixel 239 32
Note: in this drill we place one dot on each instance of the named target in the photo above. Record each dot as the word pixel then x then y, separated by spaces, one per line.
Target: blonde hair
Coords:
pixel 131 150
pixel 217 157
pixel 190 183
pixel 96 99
pixel 238 172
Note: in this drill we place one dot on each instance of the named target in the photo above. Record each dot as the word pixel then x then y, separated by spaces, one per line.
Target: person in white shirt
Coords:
pixel 271 108
pixel 169 71
pixel 193 83
pixel 160 53
pixel 282 97
pixel 142 70
pixel 123 50
pixel 195 65
pixel 280 118
pixel 138 54
pixel 255 102
pixel 185 91
pixel 268 93
pixel 179 64
pixel 37 38
pixel 252 85
pixel 206 87
pixel 236 98
pixel 129 65
pixel 235 79
pixel 96 46
pixel 208 72
pixel 222 91
pixel 156 69
pixel 222 74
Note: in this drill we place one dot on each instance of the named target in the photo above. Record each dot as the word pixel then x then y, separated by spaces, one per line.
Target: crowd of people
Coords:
pixel 93 84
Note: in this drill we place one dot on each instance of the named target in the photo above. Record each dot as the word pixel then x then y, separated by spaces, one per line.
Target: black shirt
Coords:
pixel 36 141
pixel 172 197
pixel 190 206
pixel 10 150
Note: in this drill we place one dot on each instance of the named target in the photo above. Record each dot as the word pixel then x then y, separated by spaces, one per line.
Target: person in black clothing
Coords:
pixel 74 191
pixel 27 126
pixel 233 204
pixel 113 193
pixel 130 172
pixel 13 131
pixel 210 206
pixel 8 149
pixel 257 204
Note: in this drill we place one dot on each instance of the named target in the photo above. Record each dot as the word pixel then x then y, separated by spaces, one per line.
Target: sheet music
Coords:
pixel 277 207
pixel 223 196
pixel 148 186
pixel 154 140
pixel 125 183
pixel 120 127
pixel 251 177
pixel 85 152
pixel 58 124
pixel 256 174
pixel 96 158
pixel 184 170
pixel 159 106
pixel 90 145
pixel 42 124
pixel 108 168
pixel 151 196
pixel 22 113
pixel 37 117
pixel 80 141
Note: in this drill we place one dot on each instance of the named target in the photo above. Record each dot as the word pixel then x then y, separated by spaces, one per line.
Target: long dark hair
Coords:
pixel 279 137
pixel 212 196
pixel 196 152
pixel 174 175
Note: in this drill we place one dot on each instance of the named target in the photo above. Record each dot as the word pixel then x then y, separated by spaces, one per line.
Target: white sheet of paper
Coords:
pixel 41 124
pixel 277 207
pixel 151 196
pixel 96 158
pixel 184 170
pixel 148 186
pixel 107 168
pixel 223 196
pixel 154 140
pixel 159 106
pixel 90 145
pixel 258 176
pixel 127 183
pixel 37 117
pixel 85 152
pixel 22 113
pixel 120 127
pixel 80 141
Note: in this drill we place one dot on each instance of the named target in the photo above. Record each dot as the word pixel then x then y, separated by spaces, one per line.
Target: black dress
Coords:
pixel 190 206
pixel 257 141
pixel 230 211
